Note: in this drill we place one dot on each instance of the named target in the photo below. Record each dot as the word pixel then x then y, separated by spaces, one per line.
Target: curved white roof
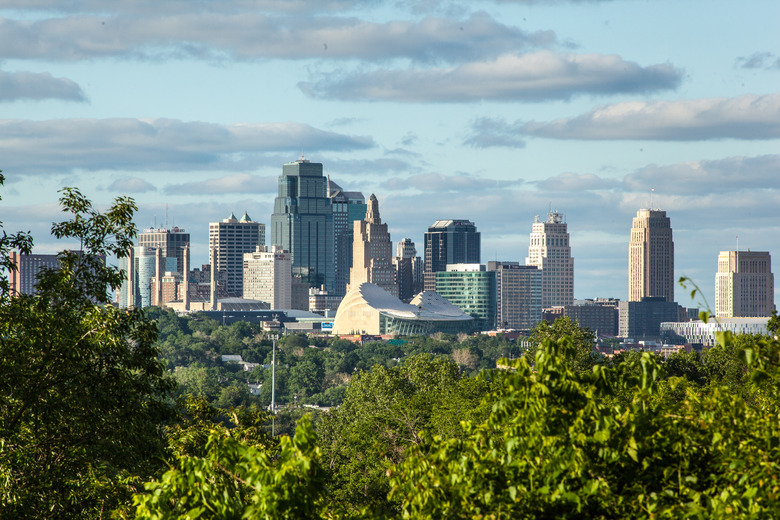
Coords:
pixel 425 306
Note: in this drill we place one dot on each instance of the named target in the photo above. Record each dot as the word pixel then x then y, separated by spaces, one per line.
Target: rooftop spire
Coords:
pixel 372 212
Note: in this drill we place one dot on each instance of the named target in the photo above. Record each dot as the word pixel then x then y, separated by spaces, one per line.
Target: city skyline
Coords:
pixel 488 111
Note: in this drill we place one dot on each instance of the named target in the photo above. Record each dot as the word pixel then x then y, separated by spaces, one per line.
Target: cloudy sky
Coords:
pixel 493 111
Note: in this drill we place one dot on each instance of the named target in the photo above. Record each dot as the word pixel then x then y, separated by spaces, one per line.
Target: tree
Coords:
pixel 384 412
pixel 83 394
pixel 557 445
pixel 773 326
pixel 582 339
pixel 234 479
pixel 21 241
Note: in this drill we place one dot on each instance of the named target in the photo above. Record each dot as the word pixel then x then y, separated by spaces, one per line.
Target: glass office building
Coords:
pixel 302 223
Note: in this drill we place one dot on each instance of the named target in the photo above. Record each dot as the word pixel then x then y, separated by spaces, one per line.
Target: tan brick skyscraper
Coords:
pixel 651 256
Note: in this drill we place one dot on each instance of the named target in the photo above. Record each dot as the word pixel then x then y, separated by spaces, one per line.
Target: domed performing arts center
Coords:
pixel 369 309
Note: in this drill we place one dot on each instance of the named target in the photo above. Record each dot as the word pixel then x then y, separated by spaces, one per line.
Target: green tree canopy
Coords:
pixel 82 395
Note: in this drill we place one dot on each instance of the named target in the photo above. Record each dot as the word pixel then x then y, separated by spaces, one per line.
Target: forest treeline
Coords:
pixel 108 413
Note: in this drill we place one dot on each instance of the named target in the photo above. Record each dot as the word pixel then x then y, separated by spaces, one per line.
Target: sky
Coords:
pixel 492 111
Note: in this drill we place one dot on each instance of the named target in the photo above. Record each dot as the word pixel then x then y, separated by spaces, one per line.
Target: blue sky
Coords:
pixel 494 111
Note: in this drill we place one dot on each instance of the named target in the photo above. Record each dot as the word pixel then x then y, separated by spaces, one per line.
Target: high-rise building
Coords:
pixel 372 252
pixel 146 270
pixel 302 223
pixel 599 315
pixel 230 239
pixel 471 288
pixel 651 256
pixel 643 319
pixel 550 251
pixel 25 276
pixel 408 270
pixel 744 284
pixel 449 242
pixel 518 295
pixel 23 279
pixel 347 207
pixel 268 277
pixel 171 241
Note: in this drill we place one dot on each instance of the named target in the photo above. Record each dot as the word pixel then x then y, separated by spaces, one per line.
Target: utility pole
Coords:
pixel 273 387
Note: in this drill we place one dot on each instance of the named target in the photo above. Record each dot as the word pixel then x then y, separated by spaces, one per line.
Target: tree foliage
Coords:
pixel 234 479
pixel 81 390
pixel 384 413
pixel 557 445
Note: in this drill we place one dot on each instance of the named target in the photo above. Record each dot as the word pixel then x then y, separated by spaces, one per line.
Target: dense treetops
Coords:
pixel 135 415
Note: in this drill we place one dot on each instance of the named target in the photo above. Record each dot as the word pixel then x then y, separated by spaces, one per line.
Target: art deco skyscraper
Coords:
pixel 651 256
pixel 302 222
pixel 744 285
pixel 550 251
pixel 230 239
pixel 449 242
pixel 372 252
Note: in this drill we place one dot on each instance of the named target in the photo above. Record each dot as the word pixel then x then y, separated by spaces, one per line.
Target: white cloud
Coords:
pixel 37 86
pixel 436 182
pixel 257 35
pixel 238 183
pixel 534 77
pixel 131 185
pixel 154 144
pixel 730 175
pixel 759 60
pixel 744 117
pixel 577 182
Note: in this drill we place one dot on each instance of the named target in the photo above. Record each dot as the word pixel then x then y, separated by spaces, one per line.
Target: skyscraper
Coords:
pixel 518 295
pixel 230 239
pixel 171 241
pixel 744 284
pixel 408 270
pixel 651 256
pixel 347 207
pixel 372 252
pixel 23 279
pixel 449 242
pixel 471 288
pixel 268 277
pixel 302 223
pixel 550 251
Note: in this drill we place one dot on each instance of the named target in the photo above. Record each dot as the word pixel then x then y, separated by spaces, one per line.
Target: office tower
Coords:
pixel 230 239
pixel 268 277
pixel 642 319
pixel 24 278
pixel 302 223
pixel 471 288
pixel 408 270
pixel 372 252
pixel 550 251
pixel 600 315
pixel 518 295
pixel 651 256
pixel 347 207
pixel 449 242
pixel 145 261
pixel 171 241
pixel 744 285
